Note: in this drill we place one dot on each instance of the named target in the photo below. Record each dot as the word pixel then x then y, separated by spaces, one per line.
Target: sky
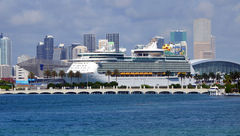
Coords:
pixel 27 22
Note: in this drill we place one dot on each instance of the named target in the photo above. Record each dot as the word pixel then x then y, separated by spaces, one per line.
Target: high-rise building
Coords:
pixel 69 50
pixel 102 43
pixel 59 53
pixel 48 47
pixel 213 46
pixel 160 41
pixel 90 42
pixel 5 50
pixel 204 45
pixel 78 49
pixel 177 36
pixel 40 51
pixel 45 49
pixel 113 37
pixel 5 71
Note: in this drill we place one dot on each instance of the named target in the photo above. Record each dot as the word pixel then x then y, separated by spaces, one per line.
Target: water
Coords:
pixel 119 115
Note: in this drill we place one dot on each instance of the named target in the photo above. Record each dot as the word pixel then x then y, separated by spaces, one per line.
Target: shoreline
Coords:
pixel 109 91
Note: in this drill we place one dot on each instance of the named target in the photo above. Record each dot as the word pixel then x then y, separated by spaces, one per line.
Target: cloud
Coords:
pixel 27 18
pixel 136 20
pixel 206 9
pixel 132 13
pixel 236 7
pixel 118 3
pixel 237 19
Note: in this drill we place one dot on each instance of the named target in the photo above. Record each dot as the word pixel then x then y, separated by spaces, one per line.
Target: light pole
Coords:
pixel 87 80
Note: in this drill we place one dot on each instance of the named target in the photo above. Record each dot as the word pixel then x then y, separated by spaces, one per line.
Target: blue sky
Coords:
pixel 26 22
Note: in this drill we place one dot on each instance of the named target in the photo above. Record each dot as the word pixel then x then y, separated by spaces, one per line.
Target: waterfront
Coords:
pixel 119 115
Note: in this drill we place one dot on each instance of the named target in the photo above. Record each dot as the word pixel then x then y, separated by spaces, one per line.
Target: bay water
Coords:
pixel 119 115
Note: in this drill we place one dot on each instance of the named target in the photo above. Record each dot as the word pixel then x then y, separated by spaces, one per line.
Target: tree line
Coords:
pixel 53 74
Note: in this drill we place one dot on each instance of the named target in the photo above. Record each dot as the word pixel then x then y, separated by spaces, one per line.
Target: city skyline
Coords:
pixel 26 23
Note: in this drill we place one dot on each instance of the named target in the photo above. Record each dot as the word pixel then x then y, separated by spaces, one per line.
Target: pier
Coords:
pixel 114 90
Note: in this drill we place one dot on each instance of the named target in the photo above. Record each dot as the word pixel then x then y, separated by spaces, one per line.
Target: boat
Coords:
pixel 144 66
pixel 232 94
pixel 215 91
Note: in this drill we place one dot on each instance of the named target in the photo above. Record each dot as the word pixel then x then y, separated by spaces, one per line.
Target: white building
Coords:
pixel 5 71
pixel 102 43
pixel 21 75
pixel 105 46
pixel 78 49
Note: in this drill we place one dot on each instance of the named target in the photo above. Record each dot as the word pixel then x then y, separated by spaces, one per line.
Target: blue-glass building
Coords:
pixel 5 50
pixel 178 36
pixel 45 49
pixel 40 51
pixel 160 41
pixel 48 47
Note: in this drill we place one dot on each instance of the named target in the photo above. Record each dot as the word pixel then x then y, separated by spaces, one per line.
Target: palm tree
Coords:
pixel 181 75
pixel 54 74
pixel 62 73
pixel 196 77
pixel 70 74
pixel 108 73
pixel 78 75
pixel 233 76
pixel 227 79
pixel 218 77
pixel 205 77
pixel 237 74
pixel 31 75
pixel 189 75
pixel 168 73
pixel 201 78
pixel 212 76
pixel 47 73
pixel 116 73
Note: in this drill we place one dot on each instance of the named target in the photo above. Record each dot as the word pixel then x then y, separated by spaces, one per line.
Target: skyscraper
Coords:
pixel 90 42
pixel 59 52
pixel 5 50
pixel 213 46
pixel 45 50
pixel 40 50
pixel 204 45
pixel 113 37
pixel 160 41
pixel 178 36
pixel 48 47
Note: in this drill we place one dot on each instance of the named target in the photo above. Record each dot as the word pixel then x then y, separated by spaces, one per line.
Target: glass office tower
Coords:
pixel 5 50
pixel 48 47
pixel 45 49
pixel 178 36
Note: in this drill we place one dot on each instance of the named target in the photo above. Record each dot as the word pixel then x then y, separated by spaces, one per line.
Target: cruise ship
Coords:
pixel 145 66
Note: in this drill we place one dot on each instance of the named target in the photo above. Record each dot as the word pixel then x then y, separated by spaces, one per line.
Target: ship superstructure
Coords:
pixel 145 66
